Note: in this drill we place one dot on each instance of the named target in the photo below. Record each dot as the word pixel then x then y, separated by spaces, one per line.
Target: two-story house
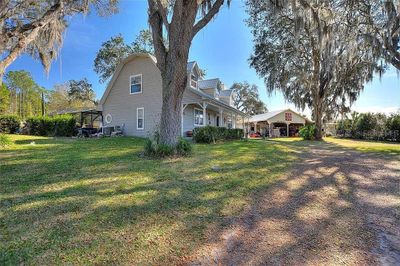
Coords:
pixel 133 99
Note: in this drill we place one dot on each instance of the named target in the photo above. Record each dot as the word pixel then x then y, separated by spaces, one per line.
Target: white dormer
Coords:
pixel 194 75
pixel 226 96
pixel 211 86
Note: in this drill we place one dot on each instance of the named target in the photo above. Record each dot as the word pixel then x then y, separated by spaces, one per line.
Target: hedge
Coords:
pixel 210 134
pixel 307 132
pixel 9 123
pixel 62 126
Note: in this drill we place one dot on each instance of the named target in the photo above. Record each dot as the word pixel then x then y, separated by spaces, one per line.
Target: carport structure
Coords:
pixel 279 123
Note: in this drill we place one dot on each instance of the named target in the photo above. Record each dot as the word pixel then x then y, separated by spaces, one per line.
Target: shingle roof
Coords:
pixel 225 93
pixel 190 65
pixel 265 116
pixel 208 83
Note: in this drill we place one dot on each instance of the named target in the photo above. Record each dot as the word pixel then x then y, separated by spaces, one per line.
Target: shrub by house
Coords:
pixel 210 134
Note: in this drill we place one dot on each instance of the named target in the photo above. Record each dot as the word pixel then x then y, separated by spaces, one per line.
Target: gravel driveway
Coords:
pixel 336 207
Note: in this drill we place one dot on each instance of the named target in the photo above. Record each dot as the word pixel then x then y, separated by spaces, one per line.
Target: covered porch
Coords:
pixel 275 129
pixel 282 123
pixel 209 113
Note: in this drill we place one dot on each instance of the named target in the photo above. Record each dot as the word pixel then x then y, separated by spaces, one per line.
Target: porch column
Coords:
pixel 183 106
pixel 269 130
pixel 243 125
pixel 255 127
pixel 287 129
pixel 205 114
pixel 221 117
pixel 234 121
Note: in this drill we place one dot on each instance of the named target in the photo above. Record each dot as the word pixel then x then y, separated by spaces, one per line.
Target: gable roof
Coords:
pixel 269 115
pixel 118 70
pixel 190 66
pixel 209 83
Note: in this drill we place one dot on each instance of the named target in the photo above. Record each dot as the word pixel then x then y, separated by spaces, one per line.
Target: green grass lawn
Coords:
pixel 388 148
pixel 80 201
pixel 366 146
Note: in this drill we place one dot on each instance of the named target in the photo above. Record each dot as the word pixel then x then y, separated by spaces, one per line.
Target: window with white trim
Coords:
pixel 140 118
pixel 198 117
pixel 193 81
pixel 135 84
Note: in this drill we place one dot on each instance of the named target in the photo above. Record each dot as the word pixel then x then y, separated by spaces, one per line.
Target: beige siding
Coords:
pixel 188 118
pixel 209 91
pixel 122 105
pixel 280 118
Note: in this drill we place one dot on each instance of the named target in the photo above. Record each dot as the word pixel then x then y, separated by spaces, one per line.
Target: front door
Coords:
pixel 217 121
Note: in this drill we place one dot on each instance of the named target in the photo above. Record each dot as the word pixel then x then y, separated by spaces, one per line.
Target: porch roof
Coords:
pixel 212 100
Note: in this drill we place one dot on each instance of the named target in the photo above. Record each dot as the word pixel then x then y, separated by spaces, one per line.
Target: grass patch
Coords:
pixel 95 201
pixel 388 148
pixel 366 146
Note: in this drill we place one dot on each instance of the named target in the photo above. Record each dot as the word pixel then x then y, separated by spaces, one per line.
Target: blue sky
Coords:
pixel 222 48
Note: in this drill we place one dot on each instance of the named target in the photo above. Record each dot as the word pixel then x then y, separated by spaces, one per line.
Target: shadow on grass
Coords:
pixel 337 206
pixel 97 201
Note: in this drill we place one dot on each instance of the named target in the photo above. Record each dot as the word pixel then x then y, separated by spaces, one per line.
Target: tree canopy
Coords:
pixel 36 27
pixel 246 98
pixel 114 50
pixel 25 95
pixel 81 91
pixel 311 53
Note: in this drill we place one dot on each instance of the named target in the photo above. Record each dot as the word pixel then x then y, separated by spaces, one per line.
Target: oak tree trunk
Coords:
pixel 318 113
pixel 174 83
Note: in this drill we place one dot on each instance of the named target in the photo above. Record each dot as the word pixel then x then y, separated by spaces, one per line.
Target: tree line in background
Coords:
pixel 20 95
pixel 370 126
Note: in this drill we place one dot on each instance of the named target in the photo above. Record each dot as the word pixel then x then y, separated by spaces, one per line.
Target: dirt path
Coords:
pixel 337 207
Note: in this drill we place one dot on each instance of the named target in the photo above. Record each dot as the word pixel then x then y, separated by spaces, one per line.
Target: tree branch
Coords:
pixel 156 23
pixel 210 14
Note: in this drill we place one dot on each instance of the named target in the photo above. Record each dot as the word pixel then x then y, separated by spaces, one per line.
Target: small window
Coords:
pixel 136 84
pixel 198 117
pixel 193 81
pixel 140 118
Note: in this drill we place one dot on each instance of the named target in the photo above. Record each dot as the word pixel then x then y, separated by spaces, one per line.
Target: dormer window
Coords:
pixel 193 81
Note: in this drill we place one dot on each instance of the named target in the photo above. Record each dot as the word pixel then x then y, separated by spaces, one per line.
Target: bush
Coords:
pixel 153 148
pixel 61 126
pixel 183 147
pixel 164 150
pixel 5 141
pixel 366 122
pixel 210 134
pixel 9 123
pixel 307 132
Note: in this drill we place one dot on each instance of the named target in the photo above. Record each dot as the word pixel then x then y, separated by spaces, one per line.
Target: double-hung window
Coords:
pixel 198 117
pixel 135 84
pixel 140 118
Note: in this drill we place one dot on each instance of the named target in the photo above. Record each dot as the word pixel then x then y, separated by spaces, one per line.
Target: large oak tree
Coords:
pixel 310 52
pixel 36 27
pixel 174 24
